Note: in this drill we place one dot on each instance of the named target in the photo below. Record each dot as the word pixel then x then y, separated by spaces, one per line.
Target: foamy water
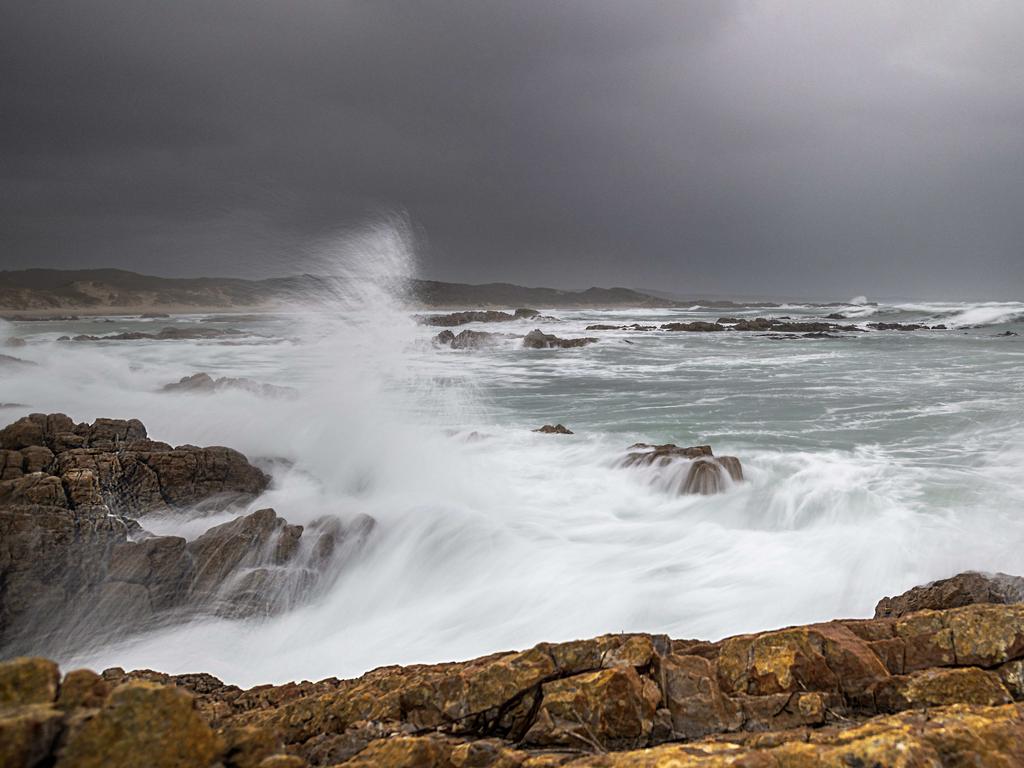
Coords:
pixel 873 463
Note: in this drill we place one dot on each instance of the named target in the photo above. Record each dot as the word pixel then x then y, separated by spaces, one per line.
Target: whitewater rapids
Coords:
pixel 873 463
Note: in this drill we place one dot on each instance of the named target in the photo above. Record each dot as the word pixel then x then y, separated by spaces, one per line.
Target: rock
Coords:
pixel 1004 333
pixel 28 735
pixel 9 361
pixel 15 341
pixel 703 471
pixel 164 334
pixel 633 327
pixel 898 326
pixel 154 315
pixel 610 708
pixel 697 326
pixel 141 723
pixel 477 316
pixel 526 314
pixel 34 488
pixel 537 339
pixel 554 429
pixel 963 589
pixel 929 688
pixel 28 681
pixel 82 688
pixel 466 339
pixel 206 384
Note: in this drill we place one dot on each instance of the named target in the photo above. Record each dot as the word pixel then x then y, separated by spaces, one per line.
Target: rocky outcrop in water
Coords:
pixel 113 462
pixel 693 470
pixel 537 339
pixel 467 339
pixel 76 565
pixel 171 333
pixel 942 689
pixel 554 429
pixel 963 589
pixel 204 383
pixel 479 316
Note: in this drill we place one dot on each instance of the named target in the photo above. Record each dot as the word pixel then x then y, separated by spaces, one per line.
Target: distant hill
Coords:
pixel 47 291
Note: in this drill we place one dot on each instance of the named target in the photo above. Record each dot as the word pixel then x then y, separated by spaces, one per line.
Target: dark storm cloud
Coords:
pixel 731 147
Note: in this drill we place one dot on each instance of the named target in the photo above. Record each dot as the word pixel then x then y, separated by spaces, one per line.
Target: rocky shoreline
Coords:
pixel 936 678
pixel 925 688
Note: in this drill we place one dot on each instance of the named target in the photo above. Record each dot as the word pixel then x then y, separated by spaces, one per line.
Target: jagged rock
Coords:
pixel 141 723
pixel 204 383
pixel 610 708
pixel 697 326
pixel 537 339
pixel 466 339
pixel 898 326
pixel 963 589
pixel 478 316
pixel 703 470
pixel 929 688
pixel 554 429
pixel 633 327
pixel 35 488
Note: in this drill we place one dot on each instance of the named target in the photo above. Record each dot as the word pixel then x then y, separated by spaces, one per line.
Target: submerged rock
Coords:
pixel 204 383
pixel 700 471
pixel 164 334
pixel 537 339
pixel 963 589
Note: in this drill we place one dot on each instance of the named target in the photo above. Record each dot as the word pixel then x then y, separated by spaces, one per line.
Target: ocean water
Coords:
pixel 873 462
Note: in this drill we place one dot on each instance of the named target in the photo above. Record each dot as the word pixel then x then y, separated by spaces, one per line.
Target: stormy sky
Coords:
pixel 788 148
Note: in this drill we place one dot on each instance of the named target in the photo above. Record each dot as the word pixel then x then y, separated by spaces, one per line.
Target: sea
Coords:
pixel 873 461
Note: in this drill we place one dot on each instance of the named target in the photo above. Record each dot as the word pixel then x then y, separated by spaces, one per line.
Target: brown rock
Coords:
pixel 28 735
pixel 596 710
pixel 141 724
pixel 963 589
pixel 35 488
pixel 940 687
pixel 82 688
pixel 28 680
pixel 554 429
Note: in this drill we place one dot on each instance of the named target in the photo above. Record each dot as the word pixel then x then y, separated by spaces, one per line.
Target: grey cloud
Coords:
pixel 731 147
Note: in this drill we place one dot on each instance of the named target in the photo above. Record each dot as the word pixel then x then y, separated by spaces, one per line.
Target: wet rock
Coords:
pixel 9 361
pixel 700 471
pixel 963 589
pixel 554 429
pixel 141 723
pixel 205 384
pixel 1004 333
pixel 537 339
pixel 15 341
pixel 466 339
pixel 478 316
pixel 898 326
pixel 697 326
pixel 633 327
pixel 171 333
